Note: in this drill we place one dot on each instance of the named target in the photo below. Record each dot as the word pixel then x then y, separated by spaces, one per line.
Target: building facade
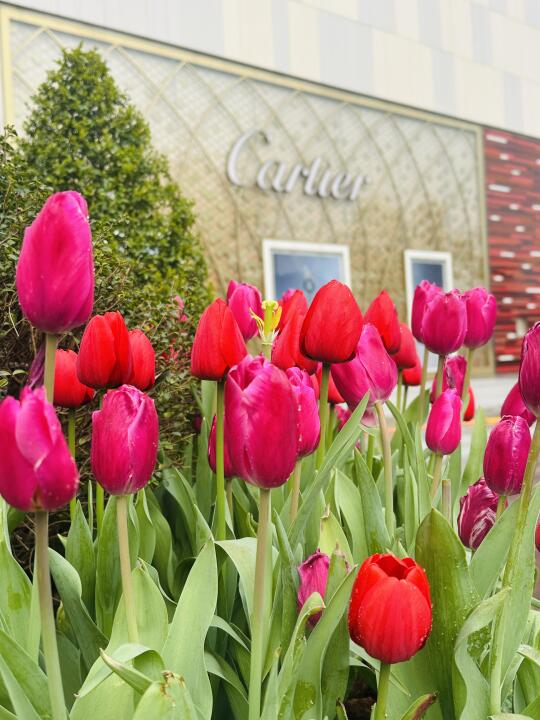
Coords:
pixel 381 141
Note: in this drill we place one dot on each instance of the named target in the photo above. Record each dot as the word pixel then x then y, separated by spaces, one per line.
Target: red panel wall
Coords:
pixel 513 213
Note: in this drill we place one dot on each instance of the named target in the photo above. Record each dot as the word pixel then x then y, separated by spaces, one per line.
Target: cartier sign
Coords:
pixel 281 177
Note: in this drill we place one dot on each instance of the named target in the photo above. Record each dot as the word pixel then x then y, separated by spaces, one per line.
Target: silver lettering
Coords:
pixel 340 186
pixel 261 175
pixel 293 177
pixel 323 185
pixel 310 174
pixel 232 160
pixel 358 184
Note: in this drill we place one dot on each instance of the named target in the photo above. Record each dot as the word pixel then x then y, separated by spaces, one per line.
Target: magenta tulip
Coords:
pixel 308 423
pixel 260 422
pixel 124 440
pixel 477 514
pixel 506 455
pixel 453 375
pixel 481 308
pixel 422 295
pixel 444 323
pixel 371 370
pixel 529 370
pixel 243 298
pixel 37 471
pixel 514 405
pixel 55 272
pixel 313 574
pixel 443 431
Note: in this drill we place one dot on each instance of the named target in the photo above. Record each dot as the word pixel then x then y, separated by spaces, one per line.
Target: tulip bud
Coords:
pixel 481 308
pixel 444 323
pixel 412 377
pixel 332 326
pixel 260 422
pixel 286 349
pixel 124 441
pixel 243 299
pixel 293 303
pixel 37 471
pixel 514 405
pixel 383 315
pixel 529 370
pixel 218 343
pixel 104 359
pixel 308 423
pixel 506 455
pixel 69 392
pixel 406 357
pixel 422 295
pixel 390 608
pixel 143 371
pixel 477 513
pixel 313 574
pixel 55 271
pixel 443 430
pixel 334 396
pixel 372 370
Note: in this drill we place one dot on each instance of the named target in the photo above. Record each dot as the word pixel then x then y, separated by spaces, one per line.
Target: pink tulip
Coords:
pixel 422 295
pixel 37 471
pixel 371 370
pixel 308 423
pixel 313 574
pixel 124 440
pixel 241 298
pixel 529 370
pixel 453 375
pixel 444 323
pixel 514 405
pixel 55 272
pixel 481 309
pixel 477 513
pixel 506 455
pixel 260 422
pixel 443 430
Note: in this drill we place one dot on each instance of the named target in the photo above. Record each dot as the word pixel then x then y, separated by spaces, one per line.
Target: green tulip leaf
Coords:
pixel 288 573
pixel 420 707
pixel 377 539
pixel 135 679
pixel 15 598
pixel 24 681
pixel 147 532
pixel 168 700
pixel 236 692
pixel 474 467
pixel 24 709
pixel 80 554
pixel 349 506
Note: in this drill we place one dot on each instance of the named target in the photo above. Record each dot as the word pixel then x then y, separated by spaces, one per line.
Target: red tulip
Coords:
pixel 293 303
pixel 514 405
pixel 55 272
pixel 334 396
pixel 529 370
pixel 412 377
pixel 469 412
pixel 69 392
pixel 104 359
pixel 383 315
pixel 313 574
pixel 422 295
pixel 477 513
pixel 143 371
pixel 481 309
pixel 37 471
pixel 506 455
pixel 308 423
pixel 443 430
pixel 286 351
pixel 332 326
pixel 444 323
pixel 390 608
pixel 372 370
pixel 241 299
pixel 218 343
pixel 124 441
pixel 406 357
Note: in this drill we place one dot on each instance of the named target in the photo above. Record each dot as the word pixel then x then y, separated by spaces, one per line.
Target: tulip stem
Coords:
pixel 382 692
pixel 100 506
pixel 447 500
pixel 48 629
pixel 466 382
pixel 437 467
pixel 323 414
pixel 50 357
pixel 388 476
pixel 421 395
pixel 440 370
pixel 499 623
pixel 125 567
pixel 260 606
pixel 370 451
pixel 500 506
pixel 220 464
pixel 295 489
pixel 399 389
pixel 71 444
pixel 405 393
